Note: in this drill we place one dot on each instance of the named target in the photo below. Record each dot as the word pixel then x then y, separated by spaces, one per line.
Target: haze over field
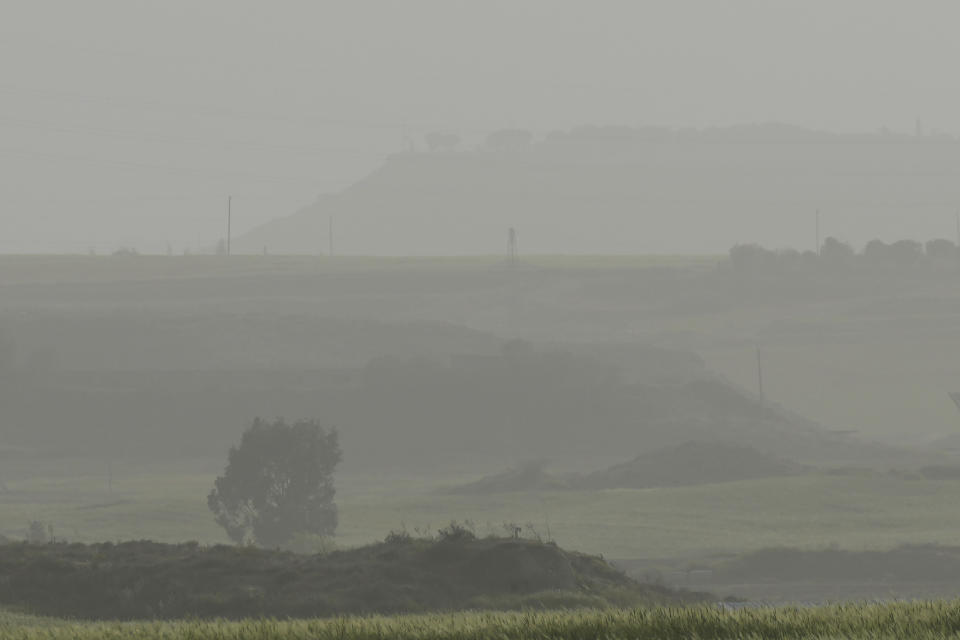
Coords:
pixel 312 310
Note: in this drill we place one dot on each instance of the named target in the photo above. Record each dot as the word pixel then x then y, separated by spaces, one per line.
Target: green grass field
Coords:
pixel 897 620
pixel 863 511
pixel 39 268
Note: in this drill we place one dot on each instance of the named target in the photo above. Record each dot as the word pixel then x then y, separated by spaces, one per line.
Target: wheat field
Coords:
pixel 932 619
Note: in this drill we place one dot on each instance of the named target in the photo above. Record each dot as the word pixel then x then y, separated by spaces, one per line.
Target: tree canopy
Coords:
pixel 278 482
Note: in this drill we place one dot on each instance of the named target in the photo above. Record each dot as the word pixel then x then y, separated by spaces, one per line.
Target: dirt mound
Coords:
pixel 153 580
pixel 417 200
pixel 526 477
pixel 689 464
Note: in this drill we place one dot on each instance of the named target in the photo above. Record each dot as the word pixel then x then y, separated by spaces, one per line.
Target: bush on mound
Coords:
pixel 152 580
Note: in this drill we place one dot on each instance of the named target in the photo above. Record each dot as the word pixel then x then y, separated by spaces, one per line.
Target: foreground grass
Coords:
pixel 898 620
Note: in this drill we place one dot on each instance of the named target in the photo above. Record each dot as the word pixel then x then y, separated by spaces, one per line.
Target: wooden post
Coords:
pixel 818 232
pixel 760 375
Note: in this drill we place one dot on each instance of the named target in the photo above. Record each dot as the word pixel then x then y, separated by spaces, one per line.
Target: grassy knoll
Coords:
pixel 456 572
pixel 897 620
pixel 859 511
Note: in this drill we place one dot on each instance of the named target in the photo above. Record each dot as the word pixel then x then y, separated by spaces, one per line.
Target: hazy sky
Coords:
pixel 128 122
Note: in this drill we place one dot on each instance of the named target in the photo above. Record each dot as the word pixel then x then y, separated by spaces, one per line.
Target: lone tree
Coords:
pixel 278 482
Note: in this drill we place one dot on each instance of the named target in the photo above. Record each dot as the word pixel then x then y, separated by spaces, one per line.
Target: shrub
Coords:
pixel 456 532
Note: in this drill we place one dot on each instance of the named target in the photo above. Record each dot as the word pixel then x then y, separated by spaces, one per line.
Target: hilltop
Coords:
pixel 625 190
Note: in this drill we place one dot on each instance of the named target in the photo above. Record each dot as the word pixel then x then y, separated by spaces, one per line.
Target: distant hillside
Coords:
pixel 691 463
pixel 530 476
pixel 210 339
pixel 622 190
pixel 554 404
pixel 402 412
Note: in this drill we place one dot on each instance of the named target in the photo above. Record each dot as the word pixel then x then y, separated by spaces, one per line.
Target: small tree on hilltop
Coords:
pixel 278 483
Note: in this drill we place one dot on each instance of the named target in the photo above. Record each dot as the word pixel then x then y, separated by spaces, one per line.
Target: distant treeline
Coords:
pixel 777 133
pixel 836 255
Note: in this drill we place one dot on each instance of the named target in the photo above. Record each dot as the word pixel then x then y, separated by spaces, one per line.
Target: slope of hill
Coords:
pixel 530 476
pixel 401 412
pixel 690 463
pixel 621 190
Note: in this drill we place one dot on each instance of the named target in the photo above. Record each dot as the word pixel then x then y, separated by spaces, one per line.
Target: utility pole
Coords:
pixel 958 230
pixel 229 216
pixel 512 246
pixel 818 232
pixel 760 375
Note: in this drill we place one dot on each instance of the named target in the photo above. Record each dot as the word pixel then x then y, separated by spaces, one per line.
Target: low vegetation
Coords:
pixel 837 256
pixel 451 572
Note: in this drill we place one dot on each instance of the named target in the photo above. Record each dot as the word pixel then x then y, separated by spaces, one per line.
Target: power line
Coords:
pixel 330 236
pixel 958 229
pixel 818 232
pixel 760 376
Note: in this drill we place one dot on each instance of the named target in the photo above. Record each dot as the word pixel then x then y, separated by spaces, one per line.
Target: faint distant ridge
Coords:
pixel 760 132
pixel 625 190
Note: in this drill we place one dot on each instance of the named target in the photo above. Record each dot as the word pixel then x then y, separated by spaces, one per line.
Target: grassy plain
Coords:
pixel 872 352
pixel 864 510
pixel 896 620
pixel 32 269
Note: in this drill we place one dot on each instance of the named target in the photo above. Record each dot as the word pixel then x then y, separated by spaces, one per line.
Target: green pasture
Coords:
pixel 34 269
pixel 865 510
